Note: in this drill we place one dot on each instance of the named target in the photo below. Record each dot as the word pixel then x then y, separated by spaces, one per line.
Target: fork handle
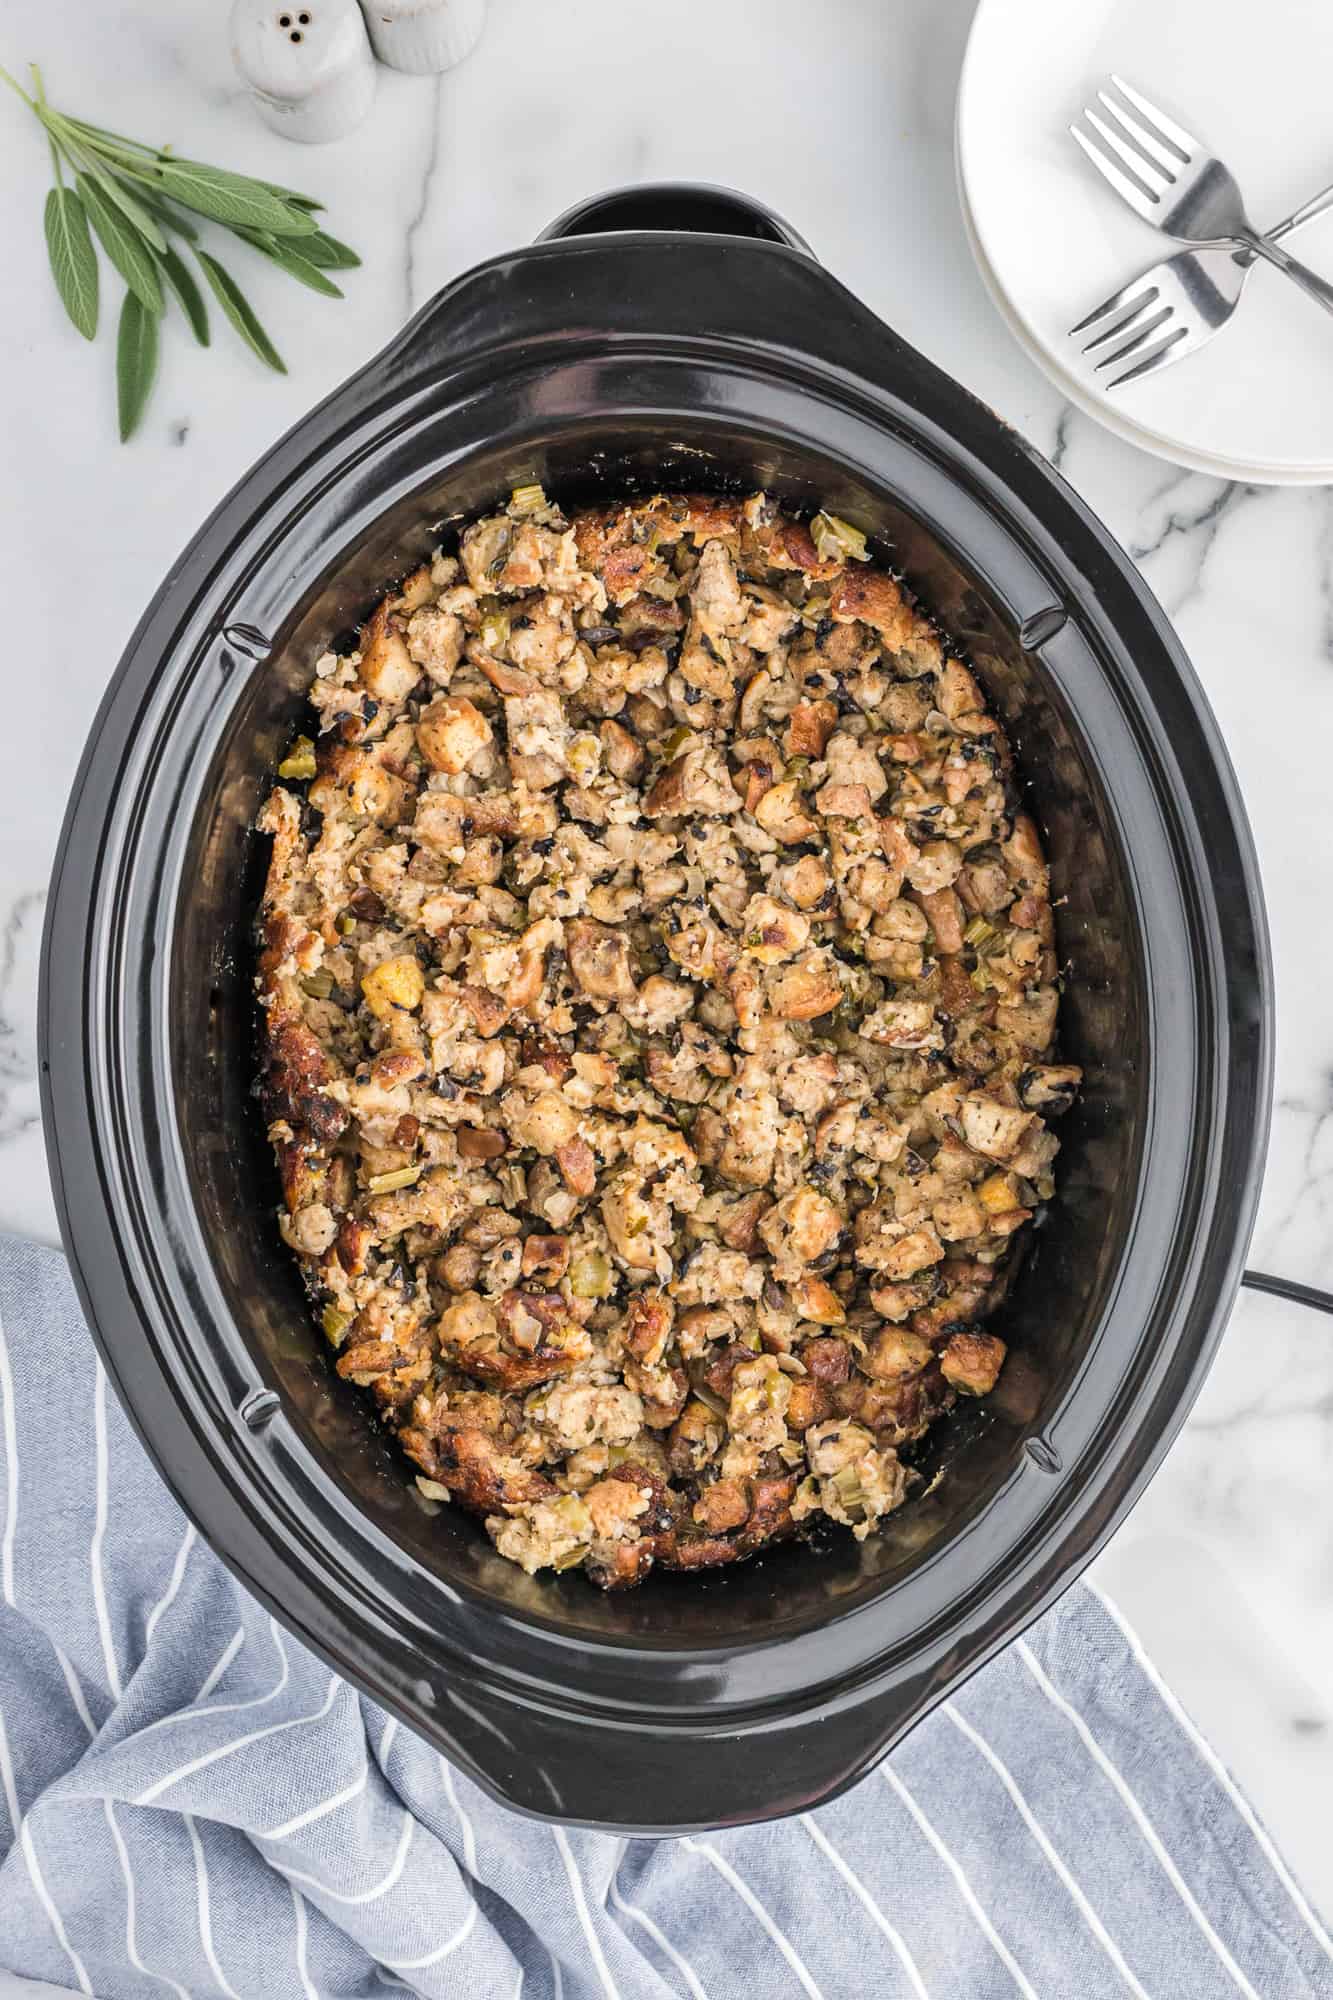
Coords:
pixel 1273 253
pixel 1308 210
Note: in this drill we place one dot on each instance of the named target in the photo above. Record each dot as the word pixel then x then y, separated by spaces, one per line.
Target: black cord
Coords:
pixel 1287 1288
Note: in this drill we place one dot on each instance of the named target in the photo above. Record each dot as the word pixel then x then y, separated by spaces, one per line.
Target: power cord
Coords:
pixel 1288 1288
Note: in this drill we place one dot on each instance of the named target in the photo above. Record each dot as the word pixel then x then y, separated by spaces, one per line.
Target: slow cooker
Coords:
pixel 666 337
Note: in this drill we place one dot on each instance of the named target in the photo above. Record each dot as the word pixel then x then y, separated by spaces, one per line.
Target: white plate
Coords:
pixel 1051 239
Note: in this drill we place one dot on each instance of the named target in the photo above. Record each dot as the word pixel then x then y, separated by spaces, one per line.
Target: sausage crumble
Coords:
pixel 658 994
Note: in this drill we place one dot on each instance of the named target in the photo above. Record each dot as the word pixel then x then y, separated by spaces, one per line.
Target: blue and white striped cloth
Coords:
pixel 191 1804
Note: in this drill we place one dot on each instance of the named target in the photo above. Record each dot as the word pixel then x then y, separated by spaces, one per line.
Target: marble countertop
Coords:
pixel 1226 1566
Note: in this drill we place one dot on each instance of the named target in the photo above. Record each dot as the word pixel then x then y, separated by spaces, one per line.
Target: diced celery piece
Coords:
pixel 401 1177
pixel 837 540
pixel 299 763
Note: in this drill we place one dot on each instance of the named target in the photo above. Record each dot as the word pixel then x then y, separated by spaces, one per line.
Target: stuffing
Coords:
pixel 659 998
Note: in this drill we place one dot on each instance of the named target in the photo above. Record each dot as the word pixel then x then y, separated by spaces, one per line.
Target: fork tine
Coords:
pixel 1125 325
pixel 1169 162
pixel 1155 183
pixel 1127 189
pixel 1117 301
pixel 1168 128
pixel 1165 352
pixel 1145 332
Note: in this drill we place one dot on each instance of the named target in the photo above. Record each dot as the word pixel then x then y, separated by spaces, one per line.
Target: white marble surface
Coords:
pixel 841 117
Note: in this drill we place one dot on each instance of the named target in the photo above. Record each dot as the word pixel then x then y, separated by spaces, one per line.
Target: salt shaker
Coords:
pixel 308 65
pixel 424 36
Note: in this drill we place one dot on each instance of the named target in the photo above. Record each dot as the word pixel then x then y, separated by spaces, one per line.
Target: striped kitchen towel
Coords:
pixel 192 1804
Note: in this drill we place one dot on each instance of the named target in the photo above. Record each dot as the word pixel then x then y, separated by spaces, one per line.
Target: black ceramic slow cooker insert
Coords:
pixel 659 338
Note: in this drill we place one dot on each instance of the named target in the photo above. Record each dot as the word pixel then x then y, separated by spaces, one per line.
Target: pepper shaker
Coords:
pixel 307 64
pixel 424 36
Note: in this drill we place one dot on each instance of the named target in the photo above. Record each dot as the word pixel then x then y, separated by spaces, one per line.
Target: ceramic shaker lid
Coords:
pixel 308 65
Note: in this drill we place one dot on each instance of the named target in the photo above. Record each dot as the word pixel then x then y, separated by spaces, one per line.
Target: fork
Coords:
pixel 1172 180
pixel 1180 303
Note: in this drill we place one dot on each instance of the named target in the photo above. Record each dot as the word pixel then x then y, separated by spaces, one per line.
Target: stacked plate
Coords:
pixel 1051 239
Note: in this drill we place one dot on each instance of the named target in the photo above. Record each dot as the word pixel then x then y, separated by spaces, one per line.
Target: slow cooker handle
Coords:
pixel 676 206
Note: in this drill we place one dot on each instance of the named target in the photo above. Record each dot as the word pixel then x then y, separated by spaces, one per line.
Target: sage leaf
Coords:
pixel 181 281
pixel 306 201
pixel 73 259
pixel 239 311
pixel 301 268
pixel 328 252
pixel 231 198
pixel 128 252
pixel 136 361
pixel 292 261
pixel 169 218
pixel 133 210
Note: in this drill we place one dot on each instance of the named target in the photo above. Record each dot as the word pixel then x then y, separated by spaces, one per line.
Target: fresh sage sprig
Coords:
pixel 125 196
